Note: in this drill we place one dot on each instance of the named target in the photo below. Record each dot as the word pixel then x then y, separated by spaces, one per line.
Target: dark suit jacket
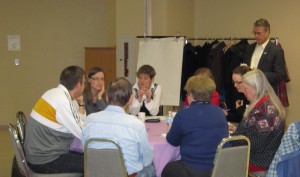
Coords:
pixel 272 63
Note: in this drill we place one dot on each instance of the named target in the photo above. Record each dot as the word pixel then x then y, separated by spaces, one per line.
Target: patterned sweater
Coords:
pixel 265 129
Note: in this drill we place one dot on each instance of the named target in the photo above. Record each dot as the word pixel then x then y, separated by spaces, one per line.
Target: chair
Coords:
pixel 232 161
pixel 21 124
pixel 103 162
pixel 21 161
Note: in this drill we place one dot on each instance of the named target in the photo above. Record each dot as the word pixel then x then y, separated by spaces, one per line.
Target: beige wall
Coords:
pixel 130 17
pixel 233 18
pixel 173 17
pixel 180 17
pixel 53 36
pixel 54 33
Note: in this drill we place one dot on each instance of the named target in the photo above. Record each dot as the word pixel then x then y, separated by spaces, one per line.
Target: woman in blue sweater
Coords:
pixel 197 130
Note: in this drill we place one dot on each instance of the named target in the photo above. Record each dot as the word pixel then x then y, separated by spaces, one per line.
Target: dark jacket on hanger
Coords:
pixel 215 63
pixel 232 58
pixel 187 64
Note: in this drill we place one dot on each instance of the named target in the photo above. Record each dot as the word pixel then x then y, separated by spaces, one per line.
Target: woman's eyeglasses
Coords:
pixel 97 79
pixel 237 82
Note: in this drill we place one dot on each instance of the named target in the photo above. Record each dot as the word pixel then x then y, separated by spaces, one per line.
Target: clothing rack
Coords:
pixel 226 38
pixel 203 38
pixel 207 39
pixel 158 36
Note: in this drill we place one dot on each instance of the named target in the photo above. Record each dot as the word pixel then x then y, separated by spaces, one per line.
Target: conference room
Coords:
pixel 55 34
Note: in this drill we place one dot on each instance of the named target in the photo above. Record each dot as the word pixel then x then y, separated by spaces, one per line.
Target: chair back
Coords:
pixel 21 161
pixel 103 162
pixel 232 161
pixel 18 150
pixel 21 124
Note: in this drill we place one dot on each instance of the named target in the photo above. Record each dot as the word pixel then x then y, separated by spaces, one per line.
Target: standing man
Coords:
pixel 265 55
pixel 123 128
pixel 54 122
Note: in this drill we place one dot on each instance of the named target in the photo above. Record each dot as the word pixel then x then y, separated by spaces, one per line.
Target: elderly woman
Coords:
pixel 197 130
pixel 263 121
pixel 146 94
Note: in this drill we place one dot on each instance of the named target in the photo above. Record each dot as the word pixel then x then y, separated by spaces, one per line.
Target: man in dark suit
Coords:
pixel 265 55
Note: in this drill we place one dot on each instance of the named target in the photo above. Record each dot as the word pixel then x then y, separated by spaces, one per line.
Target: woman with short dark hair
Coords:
pixel 146 93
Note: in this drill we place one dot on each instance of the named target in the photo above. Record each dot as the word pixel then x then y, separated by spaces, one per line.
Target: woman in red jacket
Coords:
pixel 215 99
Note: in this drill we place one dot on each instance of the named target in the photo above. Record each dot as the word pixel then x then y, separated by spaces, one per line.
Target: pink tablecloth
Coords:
pixel 163 151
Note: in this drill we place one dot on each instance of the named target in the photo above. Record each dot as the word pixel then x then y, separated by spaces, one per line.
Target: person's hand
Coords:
pixel 101 92
pixel 239 103
pixel 148 94
pixel 80 100
pixel 141 92
pixel 231 127
pixel 225 112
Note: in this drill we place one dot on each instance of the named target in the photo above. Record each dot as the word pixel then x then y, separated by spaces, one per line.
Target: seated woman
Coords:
pixel 215 99
pixel 263 121
pixel 146 94
pixel 94 91
pixel 197 130
pixel 240 101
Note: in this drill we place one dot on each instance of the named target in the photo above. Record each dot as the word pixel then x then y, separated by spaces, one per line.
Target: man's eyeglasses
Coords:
pixel 97 79
pixel 237 82
pixel 258 33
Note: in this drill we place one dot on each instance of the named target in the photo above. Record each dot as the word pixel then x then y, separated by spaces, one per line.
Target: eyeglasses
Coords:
pixel 258 33
pixel 237 82
pixel 97 79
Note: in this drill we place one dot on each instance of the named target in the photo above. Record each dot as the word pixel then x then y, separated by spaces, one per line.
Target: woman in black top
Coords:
pixel 240 100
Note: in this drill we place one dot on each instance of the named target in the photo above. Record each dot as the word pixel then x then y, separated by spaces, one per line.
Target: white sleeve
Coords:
pixel 65 116
pixel 135 106
pixel 154 104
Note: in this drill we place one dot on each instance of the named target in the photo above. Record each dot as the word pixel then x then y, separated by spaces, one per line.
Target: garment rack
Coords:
pixel 227 38
pixel 203 38
pixel 158 36
pixel 207 39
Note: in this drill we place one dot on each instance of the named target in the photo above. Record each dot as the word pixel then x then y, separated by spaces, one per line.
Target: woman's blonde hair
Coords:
pixel 257 80
pixel 201 87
